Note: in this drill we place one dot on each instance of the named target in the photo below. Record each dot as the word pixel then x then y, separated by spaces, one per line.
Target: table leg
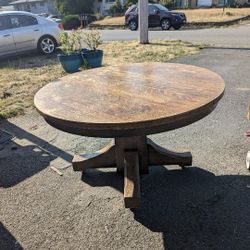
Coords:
pixel 158 155
pixel 101 159
pixel 132 193
pixel 131 156
pixel 132 143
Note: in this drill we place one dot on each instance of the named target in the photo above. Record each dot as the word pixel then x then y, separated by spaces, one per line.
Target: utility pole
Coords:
pixel 143 21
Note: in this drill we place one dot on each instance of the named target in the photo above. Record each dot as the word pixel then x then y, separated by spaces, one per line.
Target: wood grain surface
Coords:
pixel 128 100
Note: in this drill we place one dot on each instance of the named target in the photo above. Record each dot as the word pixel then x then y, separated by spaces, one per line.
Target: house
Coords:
pixel 35 6
pixel 6 8
pixel 209 3
pixel 221 3
pixel 103 6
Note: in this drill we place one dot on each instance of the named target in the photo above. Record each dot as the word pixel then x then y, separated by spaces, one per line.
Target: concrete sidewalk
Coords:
pixel 205 207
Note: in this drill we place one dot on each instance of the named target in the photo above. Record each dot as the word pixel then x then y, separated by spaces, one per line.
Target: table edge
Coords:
pixel 133 128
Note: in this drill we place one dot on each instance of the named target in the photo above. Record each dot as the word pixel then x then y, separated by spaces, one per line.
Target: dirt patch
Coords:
pixel 193 16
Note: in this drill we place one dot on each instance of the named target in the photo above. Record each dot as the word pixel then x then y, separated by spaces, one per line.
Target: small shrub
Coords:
pixel 70 42
pixel 99 16
pixel 129 3
pixel 71 22
pixel 167 3
pixel 229 14
pixel 116 7
pixel 92 39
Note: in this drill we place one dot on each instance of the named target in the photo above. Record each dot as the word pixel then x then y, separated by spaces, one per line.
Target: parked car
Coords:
pixel 22 31
pixel 55 18
pixel 159 16
pixel 43 15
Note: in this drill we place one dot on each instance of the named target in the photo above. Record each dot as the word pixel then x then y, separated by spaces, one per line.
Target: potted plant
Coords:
pixel 70 59
pixel 92 57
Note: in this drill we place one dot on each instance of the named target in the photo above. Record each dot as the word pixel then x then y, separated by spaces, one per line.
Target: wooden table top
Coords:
pixel 128 100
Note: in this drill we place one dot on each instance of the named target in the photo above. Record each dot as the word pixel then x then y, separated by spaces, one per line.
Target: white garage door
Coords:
pixel 202 3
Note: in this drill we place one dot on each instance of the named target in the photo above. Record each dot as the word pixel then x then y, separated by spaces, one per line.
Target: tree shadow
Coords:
pixel 193 209
pixel 7 240
pixel 18 162
pixel 24 162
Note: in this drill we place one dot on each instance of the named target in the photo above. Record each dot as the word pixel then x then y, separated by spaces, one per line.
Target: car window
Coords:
pixel 133 9
pixel 4 23
pixel 152 9
pixel 161 7
pixel 22 21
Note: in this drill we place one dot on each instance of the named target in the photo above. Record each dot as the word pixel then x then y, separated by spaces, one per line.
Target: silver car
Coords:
pixel 22 31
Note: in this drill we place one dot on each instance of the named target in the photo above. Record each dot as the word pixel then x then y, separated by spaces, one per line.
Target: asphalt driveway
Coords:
pixel 205 207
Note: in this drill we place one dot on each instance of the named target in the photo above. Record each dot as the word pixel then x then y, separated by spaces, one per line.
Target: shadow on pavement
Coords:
pixel 193 209
pixel 7 241
pixel 97 178
pixel 19 162
pixel 24 162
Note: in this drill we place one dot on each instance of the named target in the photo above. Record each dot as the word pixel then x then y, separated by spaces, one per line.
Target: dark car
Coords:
pixel 159 16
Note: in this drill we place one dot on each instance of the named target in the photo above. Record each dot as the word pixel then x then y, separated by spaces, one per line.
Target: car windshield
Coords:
pixel 161 7
pixel 131 9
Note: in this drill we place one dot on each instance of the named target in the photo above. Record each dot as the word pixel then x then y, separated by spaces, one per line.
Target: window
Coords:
pixel 14 22
pixel 135 9
pixel 22 21
pixel 161 7
pixel 4 23
pixel 152 10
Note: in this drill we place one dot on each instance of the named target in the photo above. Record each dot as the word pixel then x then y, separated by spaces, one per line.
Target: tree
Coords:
pixel 67 7
pixel 116 7
pixel 130 2
pixel 167 3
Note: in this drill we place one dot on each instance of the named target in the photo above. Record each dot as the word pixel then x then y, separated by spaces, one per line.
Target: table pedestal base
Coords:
pixel 131 156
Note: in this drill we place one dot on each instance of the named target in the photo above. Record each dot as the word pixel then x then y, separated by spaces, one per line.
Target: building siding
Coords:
pixel 46 6
pixel 103 6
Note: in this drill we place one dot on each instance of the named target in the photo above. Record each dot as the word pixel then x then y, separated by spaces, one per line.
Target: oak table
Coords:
pixel 128 103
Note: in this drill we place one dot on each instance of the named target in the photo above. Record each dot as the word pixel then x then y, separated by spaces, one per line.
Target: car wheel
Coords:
pixel 46 45
pixel 165 24
pixel 133 25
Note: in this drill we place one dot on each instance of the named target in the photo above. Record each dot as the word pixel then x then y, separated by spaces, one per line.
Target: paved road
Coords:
pixel 237 36
pixel 203 208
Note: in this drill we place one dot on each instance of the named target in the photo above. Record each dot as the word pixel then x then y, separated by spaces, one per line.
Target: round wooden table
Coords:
pixel 127 103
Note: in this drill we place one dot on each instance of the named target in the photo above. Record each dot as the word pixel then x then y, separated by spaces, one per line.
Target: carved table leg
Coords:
pixel 101 159
pixel 131 156
pixel 160 156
